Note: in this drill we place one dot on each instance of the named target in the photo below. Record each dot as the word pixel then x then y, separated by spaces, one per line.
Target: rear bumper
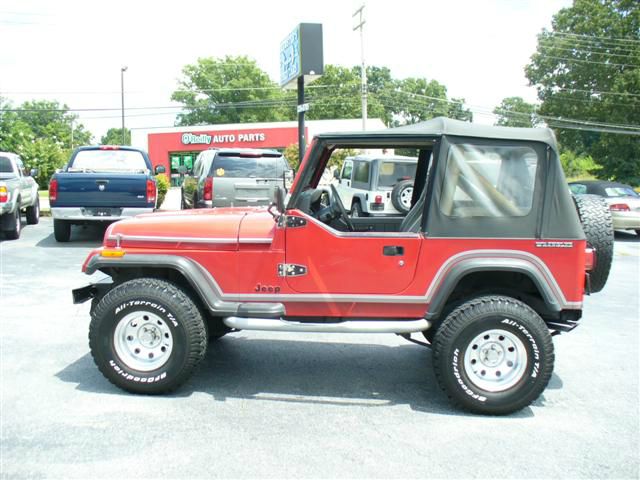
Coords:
pixel 626 220
pixel 86 215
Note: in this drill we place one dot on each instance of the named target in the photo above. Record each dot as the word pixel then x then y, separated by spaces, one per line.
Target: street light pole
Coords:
pixel 363 72
pixel 122 70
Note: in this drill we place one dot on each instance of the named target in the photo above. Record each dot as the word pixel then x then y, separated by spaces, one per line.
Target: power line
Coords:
pixel 589 61
pixel 595 92
pixel 594 37
pixel 589 52
pixel 568 43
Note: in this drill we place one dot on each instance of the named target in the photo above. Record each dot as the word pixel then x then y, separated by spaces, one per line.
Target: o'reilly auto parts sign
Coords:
pixel 206 139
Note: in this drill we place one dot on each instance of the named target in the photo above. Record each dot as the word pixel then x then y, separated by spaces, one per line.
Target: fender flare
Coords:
pixel 203 284
pixel 541 278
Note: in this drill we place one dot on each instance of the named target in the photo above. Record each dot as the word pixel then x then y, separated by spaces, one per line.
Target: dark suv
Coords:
pixel 234 177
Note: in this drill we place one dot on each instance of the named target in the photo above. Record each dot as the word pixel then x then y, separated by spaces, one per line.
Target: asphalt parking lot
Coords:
pixel 290 405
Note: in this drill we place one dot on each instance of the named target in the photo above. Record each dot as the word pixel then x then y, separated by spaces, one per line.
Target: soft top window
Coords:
pixel 620 192
pixel 488 181
pixel 108 161
pixel 391 173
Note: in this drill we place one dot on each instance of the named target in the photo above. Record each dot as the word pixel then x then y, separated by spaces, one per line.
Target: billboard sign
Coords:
pixel 301 55
pixel 290 58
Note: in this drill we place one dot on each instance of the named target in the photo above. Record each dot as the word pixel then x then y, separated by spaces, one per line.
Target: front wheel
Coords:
pixel 493 355
pixel 147 336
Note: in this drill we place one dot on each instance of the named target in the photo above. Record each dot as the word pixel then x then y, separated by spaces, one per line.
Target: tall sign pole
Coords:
pixel 301 62
pixel 363 72
pixel 122 70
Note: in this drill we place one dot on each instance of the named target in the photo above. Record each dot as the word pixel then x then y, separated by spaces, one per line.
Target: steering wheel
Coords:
pixel 342 212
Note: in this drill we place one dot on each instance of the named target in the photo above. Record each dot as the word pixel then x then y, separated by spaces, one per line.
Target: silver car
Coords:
pixel 235 177
pixel 623 201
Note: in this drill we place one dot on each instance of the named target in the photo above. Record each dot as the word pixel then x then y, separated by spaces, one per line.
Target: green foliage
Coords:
pixel 162 182
pixel 229 90
pixel 588 67
pixel 291 153
pixel 40 132
pixel 515 112
pixel 575 166
pixel 114 137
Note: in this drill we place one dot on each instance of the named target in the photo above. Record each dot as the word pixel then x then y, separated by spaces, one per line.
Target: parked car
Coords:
pixel 484 265
pixel 623 201
pixel 101 184
pixel 234 177
pixel 18 193
pixel 377 185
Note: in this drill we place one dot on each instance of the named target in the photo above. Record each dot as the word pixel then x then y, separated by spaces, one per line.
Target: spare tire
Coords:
pixel 401 196
pixel 595 217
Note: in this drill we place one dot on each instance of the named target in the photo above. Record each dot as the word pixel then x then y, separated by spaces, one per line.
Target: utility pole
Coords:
pixel 122 70
pixel 363 71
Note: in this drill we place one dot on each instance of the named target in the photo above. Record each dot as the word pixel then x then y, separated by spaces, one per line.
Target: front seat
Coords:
pixel 413 221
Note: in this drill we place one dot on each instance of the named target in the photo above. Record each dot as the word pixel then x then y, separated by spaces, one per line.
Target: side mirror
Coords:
pixel 278 202
pixel 336 174
pixel 160 169
pixel 34 172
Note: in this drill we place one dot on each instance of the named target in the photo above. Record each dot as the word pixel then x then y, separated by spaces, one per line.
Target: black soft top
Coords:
pixel 446 126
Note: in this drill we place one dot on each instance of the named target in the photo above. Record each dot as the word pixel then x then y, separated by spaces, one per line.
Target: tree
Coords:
pixel 230 90
pixel 114 137
pixel 515 112
pixel 40 132
pixel 587 68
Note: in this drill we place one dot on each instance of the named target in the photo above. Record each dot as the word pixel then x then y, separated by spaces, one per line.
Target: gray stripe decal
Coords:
pixel 199 240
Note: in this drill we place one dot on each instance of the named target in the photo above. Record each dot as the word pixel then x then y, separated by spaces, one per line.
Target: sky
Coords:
pixel 73 51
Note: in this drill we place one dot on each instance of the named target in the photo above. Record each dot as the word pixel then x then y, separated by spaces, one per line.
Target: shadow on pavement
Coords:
pixel 342 374
pixel 626 236
pixel 82 236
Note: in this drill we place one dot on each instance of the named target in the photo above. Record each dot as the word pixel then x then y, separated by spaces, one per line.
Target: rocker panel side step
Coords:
pixel 349 326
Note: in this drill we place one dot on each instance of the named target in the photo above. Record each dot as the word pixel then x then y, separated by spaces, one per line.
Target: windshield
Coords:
pixel 249 167
pixel 394 172
pixel 620 192
pixel 108 161
pixel 5 165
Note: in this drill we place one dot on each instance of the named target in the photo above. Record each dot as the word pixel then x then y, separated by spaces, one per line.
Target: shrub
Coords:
pixel 163 185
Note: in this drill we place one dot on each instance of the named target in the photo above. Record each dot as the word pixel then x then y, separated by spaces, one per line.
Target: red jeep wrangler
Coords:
pixel 489 263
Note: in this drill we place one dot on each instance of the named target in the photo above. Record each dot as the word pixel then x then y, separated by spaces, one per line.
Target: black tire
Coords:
pixel 356 210
pixel 14 231
pixel 638 232
pixel 401 196
pixel 33 213
pixel 595 217
pixel 61 230
pixel 512 379
pixel 167 332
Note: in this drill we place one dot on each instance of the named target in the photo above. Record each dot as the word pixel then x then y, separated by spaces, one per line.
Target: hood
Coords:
pixel 215 229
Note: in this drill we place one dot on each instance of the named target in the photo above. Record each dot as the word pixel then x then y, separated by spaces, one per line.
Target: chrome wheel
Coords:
pixel 495 360
pixel 143 341
pixel 405 197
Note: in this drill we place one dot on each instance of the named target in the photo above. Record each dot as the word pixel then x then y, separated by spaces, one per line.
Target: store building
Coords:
pixel 179 146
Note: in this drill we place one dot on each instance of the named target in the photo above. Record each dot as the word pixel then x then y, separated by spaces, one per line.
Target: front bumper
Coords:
pixel 90 214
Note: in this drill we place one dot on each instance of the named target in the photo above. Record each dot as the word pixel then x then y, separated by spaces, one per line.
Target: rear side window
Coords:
pixel 248 167
pixel 578 189
pixel 5 165
pixel 488 181
pixel 108 161
pixel 620 192
pixel 361 172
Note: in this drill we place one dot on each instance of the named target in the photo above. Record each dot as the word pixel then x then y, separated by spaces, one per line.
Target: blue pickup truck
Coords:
pixel 101 184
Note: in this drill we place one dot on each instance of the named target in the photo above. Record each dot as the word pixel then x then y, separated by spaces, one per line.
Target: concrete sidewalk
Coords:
pixel 171 200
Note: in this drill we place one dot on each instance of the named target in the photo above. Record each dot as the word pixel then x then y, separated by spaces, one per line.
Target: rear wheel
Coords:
pixel 493 355
pixel 598 228
pixel 14 231
pixel 356 211
pixel 61 230
pixel 147 336
pixel 33 213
